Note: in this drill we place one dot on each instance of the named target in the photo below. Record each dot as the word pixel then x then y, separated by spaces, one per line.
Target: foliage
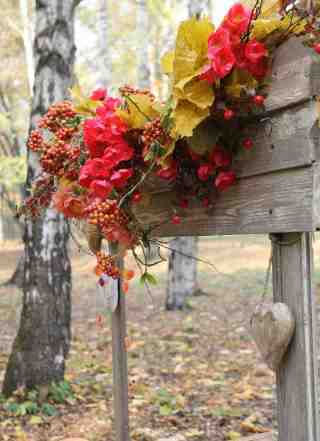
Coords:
pixel 13 171
pixel 98 152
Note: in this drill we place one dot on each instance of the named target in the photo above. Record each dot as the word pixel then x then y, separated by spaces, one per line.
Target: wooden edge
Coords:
pixel 316 196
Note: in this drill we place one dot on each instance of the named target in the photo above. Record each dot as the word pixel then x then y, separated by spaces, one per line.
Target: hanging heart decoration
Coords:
pixel 272 328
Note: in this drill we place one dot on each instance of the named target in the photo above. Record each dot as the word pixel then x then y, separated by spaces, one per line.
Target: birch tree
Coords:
pixel 27 41
pixel 183 271
pixel 42 343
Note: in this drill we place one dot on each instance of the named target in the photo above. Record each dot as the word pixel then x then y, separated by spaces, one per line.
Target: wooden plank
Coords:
pixel 119 365
pixel 297 378
pixel 316 196
pixel 295 75
pixel 271 203
pixel 286 140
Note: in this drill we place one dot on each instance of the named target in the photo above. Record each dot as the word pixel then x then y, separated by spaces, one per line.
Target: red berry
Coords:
pixel 259 100
pixel 316 47
pixel 247 144
pixel 228 114
pixel 176 219
pixel 184 203
pixel 205 202
pixel 137 197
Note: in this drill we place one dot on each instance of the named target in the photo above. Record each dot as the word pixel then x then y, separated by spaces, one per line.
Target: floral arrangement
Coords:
pixel 98 153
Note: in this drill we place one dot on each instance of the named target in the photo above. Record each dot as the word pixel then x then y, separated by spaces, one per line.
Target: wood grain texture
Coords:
pixel 295 76
pixel 119 365
pixel 297 377
pixel 275 202
pixel 285 140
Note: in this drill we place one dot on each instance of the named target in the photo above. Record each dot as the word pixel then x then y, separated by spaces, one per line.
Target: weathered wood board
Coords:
pixel 260 437
pixel 278 181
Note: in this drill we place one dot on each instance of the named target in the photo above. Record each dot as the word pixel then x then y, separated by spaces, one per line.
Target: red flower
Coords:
pixel 119 178
pixel 99 94
pixel 220 158
pixel 225 179
pixel 208 74
pixel 204 172
pixel 260 69
pixel 67 203
pixel 218 40
pixel 255 51
pixel 118 152
pixel 109 107
pixel 168 173
pixel 101 189
pixel 94 136
pixel 94 169
pixel 238 18
pixel 223 62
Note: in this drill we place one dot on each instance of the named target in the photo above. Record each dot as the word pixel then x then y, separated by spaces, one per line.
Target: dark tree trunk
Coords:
pixel 42 343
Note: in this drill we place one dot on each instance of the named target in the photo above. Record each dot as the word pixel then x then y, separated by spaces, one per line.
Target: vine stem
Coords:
pixel 128 97
pixel 133 189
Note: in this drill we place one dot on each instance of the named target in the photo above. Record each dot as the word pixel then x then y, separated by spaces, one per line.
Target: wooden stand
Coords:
pixel 119 365
pixel 277 193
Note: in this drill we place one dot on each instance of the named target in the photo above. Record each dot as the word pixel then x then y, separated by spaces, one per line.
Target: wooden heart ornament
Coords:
pixel 272 328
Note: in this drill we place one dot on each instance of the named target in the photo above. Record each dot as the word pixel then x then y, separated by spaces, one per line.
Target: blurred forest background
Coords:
pixel 194 373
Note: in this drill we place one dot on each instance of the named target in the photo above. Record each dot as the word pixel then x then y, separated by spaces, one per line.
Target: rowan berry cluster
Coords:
pixel 35 141
pixel 66 133
pixel 129 90
pixel 57 116
pixel 42 191
pixel 106 265
pixel 153 131
pixel 104 214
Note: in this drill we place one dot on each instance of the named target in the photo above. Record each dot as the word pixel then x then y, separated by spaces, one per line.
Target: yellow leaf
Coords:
pixel 233 435
pixel 239 81
pixel 140 110
pixel 197 92
pixel 167 63
pixel 187 116
pixel 191 48
pixel 271 7
pixel 83 104
pixel 263 28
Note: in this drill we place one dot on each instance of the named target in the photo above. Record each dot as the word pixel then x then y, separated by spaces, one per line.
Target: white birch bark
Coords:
pixel 42 343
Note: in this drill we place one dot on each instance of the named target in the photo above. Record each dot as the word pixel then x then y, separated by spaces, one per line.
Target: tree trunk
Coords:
pixel 182 276
pixel 27 41
pixel 43 339
pixel 143 44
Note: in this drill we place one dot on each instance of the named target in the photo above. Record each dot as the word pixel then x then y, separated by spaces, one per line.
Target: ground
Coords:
pixel 194 373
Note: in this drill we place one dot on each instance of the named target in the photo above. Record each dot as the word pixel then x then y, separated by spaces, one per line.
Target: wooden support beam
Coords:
pixel 297 378
pixel 119 364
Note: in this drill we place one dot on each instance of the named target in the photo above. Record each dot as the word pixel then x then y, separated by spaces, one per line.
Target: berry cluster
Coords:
pixel 129 90
pixel 66 133
pixel 153 131
pixel 106 266
pixel 35 141
pixel 57 116
pixel 61 159
pixel 42 191
pixel 104 214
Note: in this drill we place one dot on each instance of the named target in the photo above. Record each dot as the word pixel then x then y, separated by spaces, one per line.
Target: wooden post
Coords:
pixel 297 378
pixel 119 364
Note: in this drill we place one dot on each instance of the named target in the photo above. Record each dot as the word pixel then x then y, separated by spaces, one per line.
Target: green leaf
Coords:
pixel 204 137
pixel 49 410
pixel 165 410
pixel 148 278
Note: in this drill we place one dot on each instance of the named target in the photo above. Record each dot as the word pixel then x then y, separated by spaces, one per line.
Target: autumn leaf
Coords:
pixel 167 63
pixel 196 92
pixel 204 137
pixel 239 81
pixel 83 104
pixel 140 109
pixel 187 117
